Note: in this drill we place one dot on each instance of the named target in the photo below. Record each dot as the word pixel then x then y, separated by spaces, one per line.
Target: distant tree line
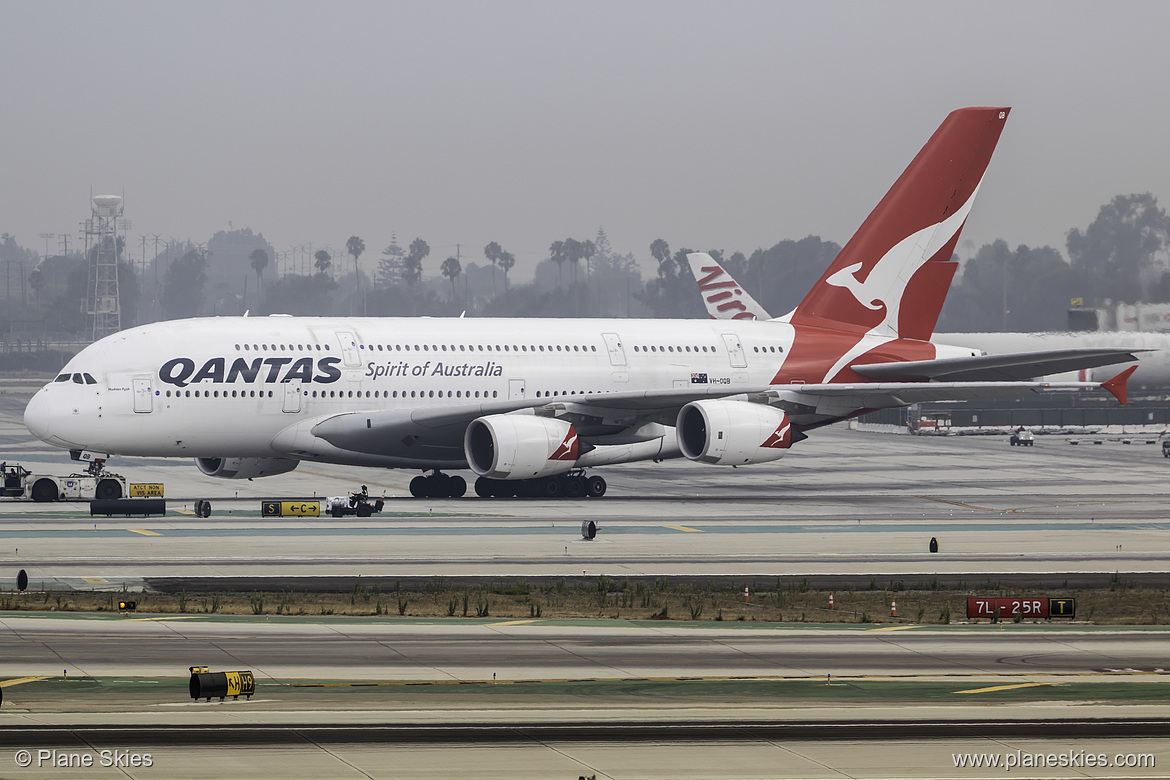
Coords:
pixel 1122 256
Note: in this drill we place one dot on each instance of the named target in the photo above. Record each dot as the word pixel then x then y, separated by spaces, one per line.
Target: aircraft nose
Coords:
pixel 38 416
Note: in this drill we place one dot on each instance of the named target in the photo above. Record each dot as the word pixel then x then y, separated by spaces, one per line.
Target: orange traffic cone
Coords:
pixel 830 599
pixel 893 607
pixel 745 594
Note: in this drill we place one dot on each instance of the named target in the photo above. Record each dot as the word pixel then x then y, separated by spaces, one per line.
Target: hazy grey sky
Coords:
pixel 711 124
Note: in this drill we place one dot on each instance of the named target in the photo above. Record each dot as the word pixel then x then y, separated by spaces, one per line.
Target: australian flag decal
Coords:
pixel 698 379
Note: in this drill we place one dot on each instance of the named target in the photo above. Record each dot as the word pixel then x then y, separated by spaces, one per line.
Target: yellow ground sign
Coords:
pixel 240 684
pixel 291 509
pixel 146 490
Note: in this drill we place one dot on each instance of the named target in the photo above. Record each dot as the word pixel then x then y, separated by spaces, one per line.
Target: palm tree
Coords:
pixel 492 253
pixel 355 246
pixel 507 260
pixel 660 251
pixel 580 250
pixel 451 269
pixel 36 280
pixel 556 253
pixel 418 250
pixel 259 258
pixel 323 261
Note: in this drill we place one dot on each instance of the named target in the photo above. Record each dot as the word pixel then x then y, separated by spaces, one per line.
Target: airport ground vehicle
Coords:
pixel 19 482
pixel 1022 438
pixel 358 503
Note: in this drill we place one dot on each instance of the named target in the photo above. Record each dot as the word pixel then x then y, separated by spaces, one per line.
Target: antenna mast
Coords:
pixel 102 307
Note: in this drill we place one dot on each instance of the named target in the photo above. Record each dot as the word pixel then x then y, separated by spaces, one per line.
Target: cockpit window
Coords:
pixel 63 378
pixel 89 380
pixel 77 379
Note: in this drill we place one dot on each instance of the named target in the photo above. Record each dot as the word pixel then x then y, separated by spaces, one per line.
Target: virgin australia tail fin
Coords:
pixel 893 276
pixel 725 298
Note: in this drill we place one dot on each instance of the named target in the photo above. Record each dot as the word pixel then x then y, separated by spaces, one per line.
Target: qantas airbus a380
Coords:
pixel 529 404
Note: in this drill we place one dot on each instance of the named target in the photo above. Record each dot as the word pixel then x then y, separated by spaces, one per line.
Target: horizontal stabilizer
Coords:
pixel 997 368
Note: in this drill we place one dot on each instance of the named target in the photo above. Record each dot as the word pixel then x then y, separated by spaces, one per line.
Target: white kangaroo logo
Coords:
pixel 847 278
pixel 886 283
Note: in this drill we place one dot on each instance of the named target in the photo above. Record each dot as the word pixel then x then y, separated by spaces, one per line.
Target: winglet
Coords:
pixel 1117 386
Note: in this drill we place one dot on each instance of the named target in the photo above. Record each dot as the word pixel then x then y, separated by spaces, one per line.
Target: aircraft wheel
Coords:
pixel 573 487
pixel 547 487
pixel 595 487
pixel 108 488
pixel 418 487
pixel 484 487
pixel 44 490
pixel 456 487
pixel 207 509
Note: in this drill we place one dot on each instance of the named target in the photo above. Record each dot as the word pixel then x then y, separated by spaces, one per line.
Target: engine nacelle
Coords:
pixel 512 446
pixel 245 468
pixel 733 433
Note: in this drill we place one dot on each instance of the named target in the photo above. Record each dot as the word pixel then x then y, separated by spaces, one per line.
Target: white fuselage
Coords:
pixel 230 386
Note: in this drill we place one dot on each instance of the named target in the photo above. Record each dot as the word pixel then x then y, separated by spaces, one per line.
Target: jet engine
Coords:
pixel 512 446
pixel 733 433
pixel 245 468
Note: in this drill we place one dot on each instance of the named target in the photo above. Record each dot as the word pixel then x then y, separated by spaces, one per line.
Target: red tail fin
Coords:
pixel 893 275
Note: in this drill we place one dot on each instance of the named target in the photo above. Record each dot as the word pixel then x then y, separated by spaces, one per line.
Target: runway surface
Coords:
pixel 466 649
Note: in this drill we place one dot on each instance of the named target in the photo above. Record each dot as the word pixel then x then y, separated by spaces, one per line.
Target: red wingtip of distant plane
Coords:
pixel 1117 386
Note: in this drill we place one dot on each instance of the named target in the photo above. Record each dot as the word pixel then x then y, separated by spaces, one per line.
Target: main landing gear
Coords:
pixel 571 485
pixel 438 485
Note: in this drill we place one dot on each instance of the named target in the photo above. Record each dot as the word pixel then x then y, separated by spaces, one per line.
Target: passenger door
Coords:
pixel 292 398
pixel 349 349
pixel 143 395
pixel 735 351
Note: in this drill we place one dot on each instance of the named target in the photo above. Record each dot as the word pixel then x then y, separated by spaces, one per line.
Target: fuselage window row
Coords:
pixel 684 348
pixel 281 347
pixel 481 347
pixel 344 394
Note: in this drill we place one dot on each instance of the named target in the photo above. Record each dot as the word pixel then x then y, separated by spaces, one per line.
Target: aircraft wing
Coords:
pixel 439 430
pixel 992 368
pixel 881 395
pixel 437 433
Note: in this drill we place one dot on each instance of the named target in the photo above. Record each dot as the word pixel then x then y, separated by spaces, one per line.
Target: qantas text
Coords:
pixel 181 371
